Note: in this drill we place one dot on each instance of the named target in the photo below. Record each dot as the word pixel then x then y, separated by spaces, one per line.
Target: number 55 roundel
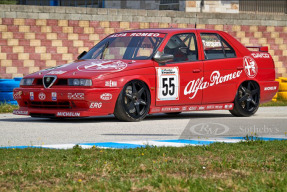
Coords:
pixel 167 83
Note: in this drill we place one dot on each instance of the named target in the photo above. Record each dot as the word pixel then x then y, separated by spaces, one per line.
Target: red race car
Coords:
pixel 135 73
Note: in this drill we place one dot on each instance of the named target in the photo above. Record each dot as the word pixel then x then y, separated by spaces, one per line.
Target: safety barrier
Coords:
pixel 282 91
pixel 6 90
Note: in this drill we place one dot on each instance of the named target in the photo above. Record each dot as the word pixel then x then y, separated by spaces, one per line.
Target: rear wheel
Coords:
pixel 246 102
pixel 133 102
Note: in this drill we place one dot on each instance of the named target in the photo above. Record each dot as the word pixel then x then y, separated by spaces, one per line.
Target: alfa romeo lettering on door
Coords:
pixel 167 83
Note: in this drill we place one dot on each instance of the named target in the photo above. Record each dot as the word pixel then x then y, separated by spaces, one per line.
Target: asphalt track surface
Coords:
pixel 24 130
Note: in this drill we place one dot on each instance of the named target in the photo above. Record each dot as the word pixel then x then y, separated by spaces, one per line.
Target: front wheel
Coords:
pixel 133 102
pixel 246 102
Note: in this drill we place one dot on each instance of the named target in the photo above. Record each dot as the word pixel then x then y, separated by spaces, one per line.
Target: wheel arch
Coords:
pixel 246 80
pixel 141 78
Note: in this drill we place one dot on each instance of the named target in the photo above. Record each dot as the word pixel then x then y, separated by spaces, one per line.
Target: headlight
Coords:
pixel 79 82
pixel 28 81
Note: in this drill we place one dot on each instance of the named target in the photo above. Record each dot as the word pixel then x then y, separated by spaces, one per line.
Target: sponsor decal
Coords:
pixel 260 55
pixel 167 83
pixel 250 67
pixel 270 88
pixel 211 43
pixel 218 107
pixel 103 66
pixel 68 114
pixel 106 96
pixel 42 96
pixel 137 35
pixel 76 96
pixel 16 112
pixel 210 107
pixel 96 105
pixel 32 96
pixel 201 108
pixel 56 72
pixel 17 95
pixel 154 110
pixel 215 78
pixel 111 83
pixel 54 96
pixel 228 106
pixel 193 108
pixel 165 109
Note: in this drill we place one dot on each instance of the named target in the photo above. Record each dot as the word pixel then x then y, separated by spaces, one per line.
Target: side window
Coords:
pixel 182 47
pixel 215 47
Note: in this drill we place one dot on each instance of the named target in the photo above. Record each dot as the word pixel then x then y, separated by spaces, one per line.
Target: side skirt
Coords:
pixel 182 108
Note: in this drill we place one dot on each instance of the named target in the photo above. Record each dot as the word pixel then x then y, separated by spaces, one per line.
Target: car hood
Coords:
pixel 92 68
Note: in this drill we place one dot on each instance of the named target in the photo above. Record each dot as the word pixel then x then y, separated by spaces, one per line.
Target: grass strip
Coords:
pixel 7 108
pixel 247 166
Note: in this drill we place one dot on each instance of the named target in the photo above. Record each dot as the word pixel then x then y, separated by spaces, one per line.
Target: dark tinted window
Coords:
pixel 215 47
pixel 182 47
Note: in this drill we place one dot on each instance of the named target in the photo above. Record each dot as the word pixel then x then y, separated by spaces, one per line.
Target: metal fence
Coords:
pixel 263 6
pixel 74 3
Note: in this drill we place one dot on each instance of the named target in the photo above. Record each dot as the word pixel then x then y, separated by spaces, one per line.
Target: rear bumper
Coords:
pixel 65 102
pixel 267 90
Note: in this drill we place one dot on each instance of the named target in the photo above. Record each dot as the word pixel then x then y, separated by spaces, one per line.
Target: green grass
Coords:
pixel 248 166
pixel 14 2
pixel 6 108
pixel 274 104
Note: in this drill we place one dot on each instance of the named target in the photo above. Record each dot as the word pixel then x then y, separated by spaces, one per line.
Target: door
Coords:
pixel 178 81
pixel 222 69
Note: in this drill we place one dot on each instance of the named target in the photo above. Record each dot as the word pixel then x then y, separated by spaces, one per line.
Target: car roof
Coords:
pixel 168 30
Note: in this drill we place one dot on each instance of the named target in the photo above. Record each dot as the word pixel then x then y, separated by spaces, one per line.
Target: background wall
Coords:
pixel 36 37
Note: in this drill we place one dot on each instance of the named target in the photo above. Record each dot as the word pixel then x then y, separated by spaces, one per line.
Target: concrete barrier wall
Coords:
pixel 36 37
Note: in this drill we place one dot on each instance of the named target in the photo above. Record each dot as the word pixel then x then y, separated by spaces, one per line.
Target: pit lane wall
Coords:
pixel 36 37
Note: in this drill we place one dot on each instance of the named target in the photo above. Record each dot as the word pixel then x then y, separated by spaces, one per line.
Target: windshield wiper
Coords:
pixel 104 48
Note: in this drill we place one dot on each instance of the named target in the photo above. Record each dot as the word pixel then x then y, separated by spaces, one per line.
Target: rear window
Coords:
pixel 215 47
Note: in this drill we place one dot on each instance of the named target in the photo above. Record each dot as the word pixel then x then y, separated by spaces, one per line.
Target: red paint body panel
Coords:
pixel 201 85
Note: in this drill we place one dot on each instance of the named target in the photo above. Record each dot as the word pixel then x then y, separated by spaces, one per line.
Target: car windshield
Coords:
pixel 129 46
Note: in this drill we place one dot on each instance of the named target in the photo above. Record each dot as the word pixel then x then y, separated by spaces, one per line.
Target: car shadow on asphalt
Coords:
pixel 111 118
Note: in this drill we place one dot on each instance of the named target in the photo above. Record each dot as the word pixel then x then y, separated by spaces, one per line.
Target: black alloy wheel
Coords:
pixel 247 99
pixel 133 102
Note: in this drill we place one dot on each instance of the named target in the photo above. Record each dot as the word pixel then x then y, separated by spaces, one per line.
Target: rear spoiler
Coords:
pixel 260 48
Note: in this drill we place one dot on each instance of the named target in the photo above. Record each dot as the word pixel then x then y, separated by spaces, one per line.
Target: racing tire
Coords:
pixel 247 99
pixel 133 102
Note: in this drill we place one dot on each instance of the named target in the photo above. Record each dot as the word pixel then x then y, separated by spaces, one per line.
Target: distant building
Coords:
pixel 211 6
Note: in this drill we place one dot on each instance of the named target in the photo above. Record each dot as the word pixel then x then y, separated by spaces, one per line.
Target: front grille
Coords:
pixel 58 82
pixel 48 81
pixel 50 105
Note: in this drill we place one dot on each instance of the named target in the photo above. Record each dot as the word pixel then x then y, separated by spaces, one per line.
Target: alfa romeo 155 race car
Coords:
pixel 139 72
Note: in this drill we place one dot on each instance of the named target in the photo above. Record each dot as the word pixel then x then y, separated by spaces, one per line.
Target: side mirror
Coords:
pixel 163 58
pixel 81 55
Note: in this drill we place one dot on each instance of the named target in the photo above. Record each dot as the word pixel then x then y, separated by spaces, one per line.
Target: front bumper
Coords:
pixel 65 102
